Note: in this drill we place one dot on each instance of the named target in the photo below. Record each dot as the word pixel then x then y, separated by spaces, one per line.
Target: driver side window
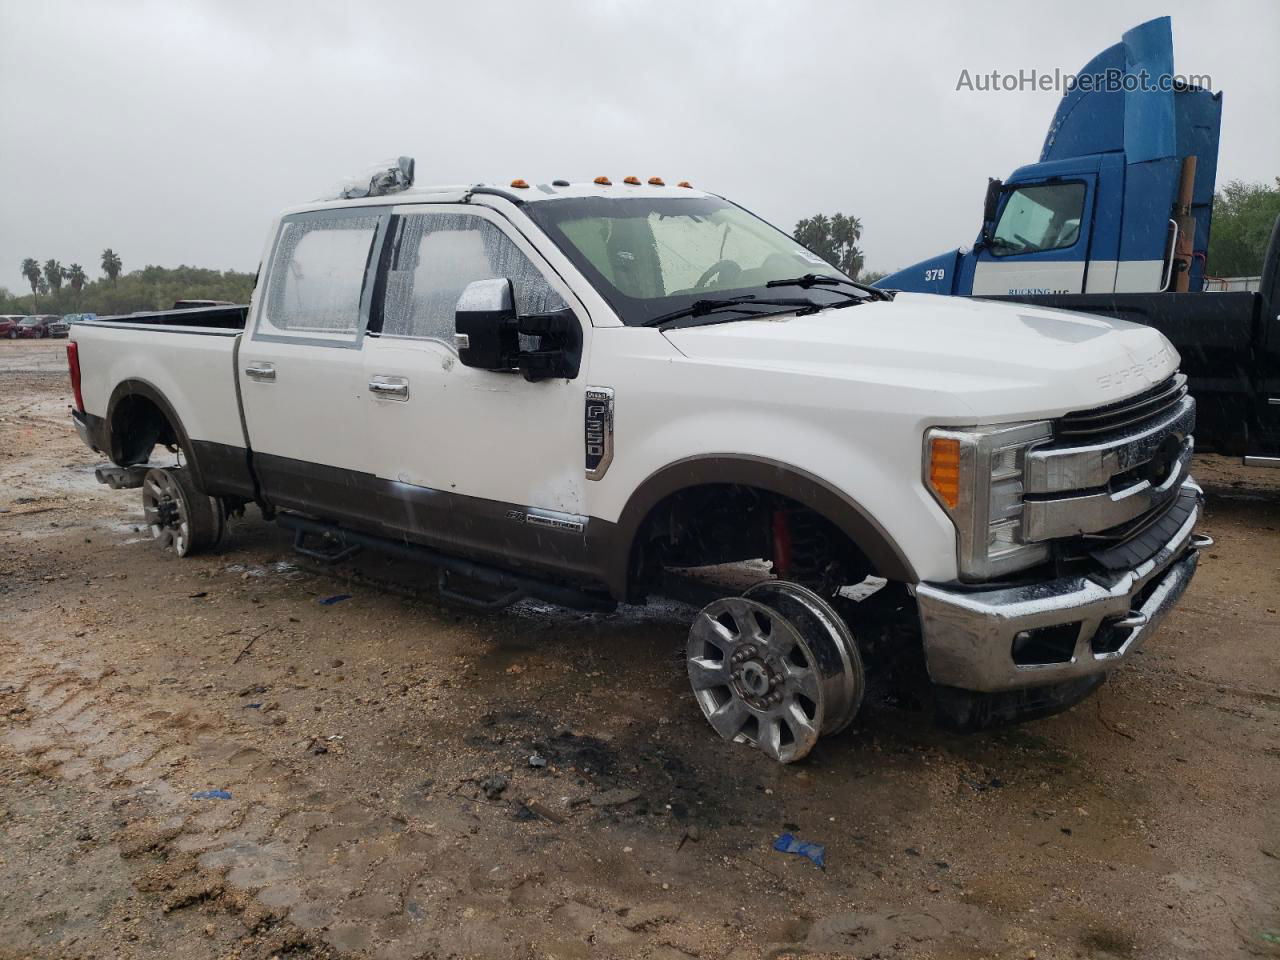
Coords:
pixel 435 256
pixel 1045 217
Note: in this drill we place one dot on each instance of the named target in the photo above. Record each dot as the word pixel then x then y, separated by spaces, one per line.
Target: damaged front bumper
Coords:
pixel 1066 632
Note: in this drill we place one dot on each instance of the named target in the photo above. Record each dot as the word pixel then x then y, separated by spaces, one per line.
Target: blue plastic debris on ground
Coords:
pixel 790 843
pixel 212 795
pixel 336 598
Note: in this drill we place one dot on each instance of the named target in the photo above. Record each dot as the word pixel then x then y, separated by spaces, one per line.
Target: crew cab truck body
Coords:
pixel 576 391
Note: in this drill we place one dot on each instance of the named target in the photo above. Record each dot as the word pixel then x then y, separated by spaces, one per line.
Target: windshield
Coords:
pixel 650 256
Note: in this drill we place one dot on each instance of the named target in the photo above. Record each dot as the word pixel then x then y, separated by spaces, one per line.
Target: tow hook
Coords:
pixel 1201 541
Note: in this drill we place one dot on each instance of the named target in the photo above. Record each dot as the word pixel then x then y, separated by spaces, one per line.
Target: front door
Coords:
pixel 1041 240
pixel 477 462
pixel 300 373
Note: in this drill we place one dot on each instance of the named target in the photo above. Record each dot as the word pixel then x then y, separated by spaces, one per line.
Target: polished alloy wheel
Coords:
pixel 167 512
pixel 775 668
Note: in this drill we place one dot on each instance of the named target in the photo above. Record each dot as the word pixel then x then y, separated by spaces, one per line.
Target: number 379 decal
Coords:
pixel 938 273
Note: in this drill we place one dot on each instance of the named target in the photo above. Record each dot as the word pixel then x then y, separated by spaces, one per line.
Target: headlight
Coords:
pixel 976 474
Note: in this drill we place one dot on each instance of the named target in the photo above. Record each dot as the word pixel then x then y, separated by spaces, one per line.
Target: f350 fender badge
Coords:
pixel 599 431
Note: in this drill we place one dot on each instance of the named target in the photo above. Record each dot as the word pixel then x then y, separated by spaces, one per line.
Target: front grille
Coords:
pixel 1146 407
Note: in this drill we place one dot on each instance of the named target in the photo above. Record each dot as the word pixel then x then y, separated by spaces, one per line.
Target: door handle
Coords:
pixel 260 371
pixel 389 388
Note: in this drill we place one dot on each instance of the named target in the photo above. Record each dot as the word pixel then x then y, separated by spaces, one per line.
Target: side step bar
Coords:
pixel 516 585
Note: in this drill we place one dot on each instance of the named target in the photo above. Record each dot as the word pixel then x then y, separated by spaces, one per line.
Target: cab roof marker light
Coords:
pixel 686 184
pixel 603 181
pixel 631 181
pixel 656 182
pixel 520 184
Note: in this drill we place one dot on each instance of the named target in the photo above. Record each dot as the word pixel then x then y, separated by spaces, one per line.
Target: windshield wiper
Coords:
pixel 700 308
pixel 822 280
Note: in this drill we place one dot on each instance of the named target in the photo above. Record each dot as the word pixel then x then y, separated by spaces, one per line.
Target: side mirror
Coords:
pixel 990 207
pixel 485 320
pixel 489 334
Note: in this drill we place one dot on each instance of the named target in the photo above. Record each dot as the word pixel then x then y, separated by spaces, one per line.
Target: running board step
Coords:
pixel 514 583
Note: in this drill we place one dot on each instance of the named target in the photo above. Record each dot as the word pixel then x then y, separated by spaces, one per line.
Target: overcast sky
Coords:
pixel 173 131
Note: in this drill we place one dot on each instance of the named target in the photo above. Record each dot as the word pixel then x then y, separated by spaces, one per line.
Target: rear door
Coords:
pixel 475 461
pixel 300 372
pixel 1040 244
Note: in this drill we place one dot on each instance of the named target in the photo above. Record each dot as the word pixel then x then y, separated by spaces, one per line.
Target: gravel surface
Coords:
pixel 377 795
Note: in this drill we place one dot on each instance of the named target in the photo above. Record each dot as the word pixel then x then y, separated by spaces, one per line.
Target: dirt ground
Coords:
pixel 383 800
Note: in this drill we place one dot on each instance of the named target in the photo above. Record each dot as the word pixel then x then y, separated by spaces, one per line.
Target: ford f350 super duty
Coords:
pixel 579 392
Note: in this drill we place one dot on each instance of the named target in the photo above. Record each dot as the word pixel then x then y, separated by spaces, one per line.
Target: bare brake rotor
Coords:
pixel 775 668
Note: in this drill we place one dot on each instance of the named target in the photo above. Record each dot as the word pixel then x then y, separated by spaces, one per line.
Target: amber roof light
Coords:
pixel 633 181
pixel 604 181
pixel 686 184
pixel 520 184
pixel 656 182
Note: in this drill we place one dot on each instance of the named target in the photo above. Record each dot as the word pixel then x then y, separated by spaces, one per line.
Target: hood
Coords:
pixel 1000 362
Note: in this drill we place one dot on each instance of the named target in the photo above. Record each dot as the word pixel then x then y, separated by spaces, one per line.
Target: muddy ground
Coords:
pixel 376 752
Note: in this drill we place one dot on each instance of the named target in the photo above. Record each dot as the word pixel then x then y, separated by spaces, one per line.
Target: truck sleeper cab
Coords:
pixel 575 392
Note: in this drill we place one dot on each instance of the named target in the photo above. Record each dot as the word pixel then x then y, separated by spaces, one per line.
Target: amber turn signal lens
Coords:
pixel 633 181
pixel 656 182
pixel 520 184
pixel 604 181
pixel 686 184
pixel 944 469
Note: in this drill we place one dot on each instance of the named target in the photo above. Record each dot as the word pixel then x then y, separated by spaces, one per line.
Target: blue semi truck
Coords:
pixel 1114 219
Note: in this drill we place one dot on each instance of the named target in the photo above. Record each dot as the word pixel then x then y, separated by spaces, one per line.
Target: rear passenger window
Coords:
pixel 435 256
pixel 317 283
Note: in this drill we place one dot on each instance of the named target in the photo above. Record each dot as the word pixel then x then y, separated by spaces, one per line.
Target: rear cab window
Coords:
pixel 318 286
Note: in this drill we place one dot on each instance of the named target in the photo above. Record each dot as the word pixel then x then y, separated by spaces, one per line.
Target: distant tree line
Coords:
pixel 1243 215
pixel 62 290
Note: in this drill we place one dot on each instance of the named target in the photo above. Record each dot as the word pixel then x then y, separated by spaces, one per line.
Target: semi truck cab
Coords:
pixel 1104 209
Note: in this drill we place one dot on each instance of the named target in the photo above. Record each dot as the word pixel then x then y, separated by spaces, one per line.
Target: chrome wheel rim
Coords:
pixel 835 653
pixel 755 678
pixel 165 510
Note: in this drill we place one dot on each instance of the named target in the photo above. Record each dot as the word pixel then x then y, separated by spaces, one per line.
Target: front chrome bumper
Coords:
pixel 969 635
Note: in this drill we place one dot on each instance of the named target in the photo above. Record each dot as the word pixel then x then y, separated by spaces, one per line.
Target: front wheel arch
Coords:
pixel 771 476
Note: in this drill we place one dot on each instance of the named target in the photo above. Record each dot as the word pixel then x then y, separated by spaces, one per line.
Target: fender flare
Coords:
pixel 774 476
pixel 141 388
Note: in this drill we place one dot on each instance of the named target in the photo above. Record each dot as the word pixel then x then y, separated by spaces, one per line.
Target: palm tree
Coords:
pixel 835 239
pixel 31 270
pixel 111 264
pixel 76 276
pixel 53 274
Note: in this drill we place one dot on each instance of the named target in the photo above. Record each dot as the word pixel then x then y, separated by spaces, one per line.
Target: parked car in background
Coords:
pixel 42 325
pixel 9 325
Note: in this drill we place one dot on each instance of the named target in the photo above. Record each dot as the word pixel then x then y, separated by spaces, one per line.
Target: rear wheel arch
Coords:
pixel 768 476
pixel 139 416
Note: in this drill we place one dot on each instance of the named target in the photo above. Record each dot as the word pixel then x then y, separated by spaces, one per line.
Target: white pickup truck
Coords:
pixel 578 391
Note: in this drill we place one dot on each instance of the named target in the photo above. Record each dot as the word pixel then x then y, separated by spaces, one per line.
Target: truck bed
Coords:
pixel 219 318
pixel 182 362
